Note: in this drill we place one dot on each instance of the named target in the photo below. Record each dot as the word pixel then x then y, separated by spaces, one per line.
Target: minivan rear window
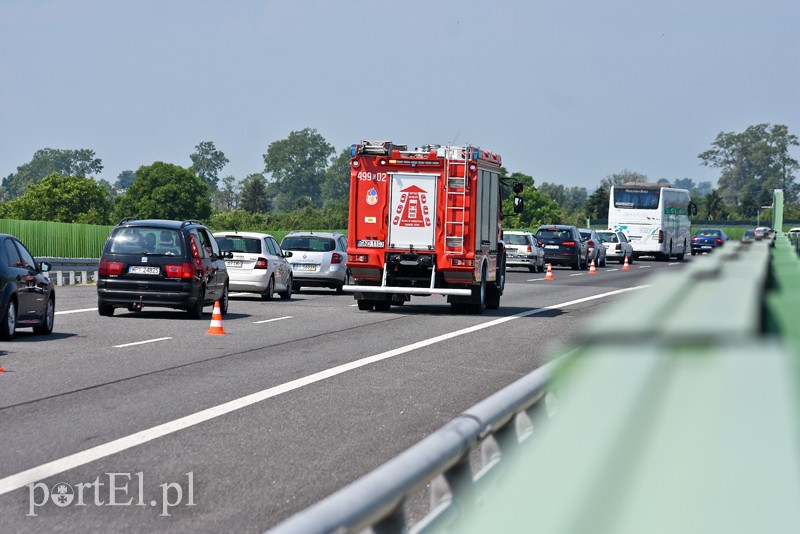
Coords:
pixel 146 240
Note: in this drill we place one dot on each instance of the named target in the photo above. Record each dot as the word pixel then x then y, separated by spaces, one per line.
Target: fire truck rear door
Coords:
pixel 412 219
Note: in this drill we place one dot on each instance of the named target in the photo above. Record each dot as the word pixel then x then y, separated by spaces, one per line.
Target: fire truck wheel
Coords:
pixel 493 296
pixel 458 307
pixel 365 305
pixel 383 305
pixel 479 295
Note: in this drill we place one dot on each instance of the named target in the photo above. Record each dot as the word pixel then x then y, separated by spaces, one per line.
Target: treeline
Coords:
pixel 304 184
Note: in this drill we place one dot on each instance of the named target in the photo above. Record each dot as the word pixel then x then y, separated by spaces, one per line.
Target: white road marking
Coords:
pixel 142 342
pixel 270 320
pixel 29 476
pixel 75 311
pixel 578 274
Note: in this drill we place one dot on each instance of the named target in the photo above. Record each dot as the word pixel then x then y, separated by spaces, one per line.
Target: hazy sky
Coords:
pixel 568 91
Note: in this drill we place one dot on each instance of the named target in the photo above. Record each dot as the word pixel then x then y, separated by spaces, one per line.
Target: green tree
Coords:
pixel 538 207
pixel 124 181
pixel 165 191
pixel 714 206
pixel 297 165
pixel 60 198
pixel 685 183
pixel 622 178
pixel 227 197
pixel 336 184
pixel 254 197
pixel 569 199
pixel 597 205
pixel 207 161
pixel 752 164
pixel 48 161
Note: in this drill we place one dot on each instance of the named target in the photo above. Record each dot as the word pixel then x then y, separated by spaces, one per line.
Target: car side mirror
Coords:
pixel 226 255
pixel 519 204
pixel 44 266
pixel 287 253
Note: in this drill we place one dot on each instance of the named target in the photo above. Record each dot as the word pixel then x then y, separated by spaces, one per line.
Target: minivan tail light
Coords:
pixel 109 268
pixel 176 271
pixel 261 263
pixel 336 258
pixel 188 270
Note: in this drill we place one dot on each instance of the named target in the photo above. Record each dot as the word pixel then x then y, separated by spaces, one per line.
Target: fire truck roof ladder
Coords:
pixel 455 205
pixel 380 148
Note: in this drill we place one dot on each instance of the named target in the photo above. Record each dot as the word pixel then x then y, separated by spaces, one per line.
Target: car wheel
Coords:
pixel 196 311
pixel 542 267
pixel 603 263
pixel 8 320
pixel 533 268
pixel 286 295
pixel 267 294
pixel 225 300
pixel 295 286
pixel 105 310
pixel 49 318
pixel 577 265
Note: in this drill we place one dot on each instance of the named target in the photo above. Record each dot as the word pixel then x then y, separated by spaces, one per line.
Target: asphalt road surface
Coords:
pixel 143 422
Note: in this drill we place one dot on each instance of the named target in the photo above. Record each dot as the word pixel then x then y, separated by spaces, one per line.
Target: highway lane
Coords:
pixel 261 462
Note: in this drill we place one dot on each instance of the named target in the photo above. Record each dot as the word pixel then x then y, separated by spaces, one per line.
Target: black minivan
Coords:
pixel 155 262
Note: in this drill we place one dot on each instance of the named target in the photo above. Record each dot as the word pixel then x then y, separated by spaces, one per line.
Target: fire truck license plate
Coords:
pixel 374 243
pixel 140 269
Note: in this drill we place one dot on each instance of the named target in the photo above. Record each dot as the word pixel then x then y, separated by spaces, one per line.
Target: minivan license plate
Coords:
pixel 141 269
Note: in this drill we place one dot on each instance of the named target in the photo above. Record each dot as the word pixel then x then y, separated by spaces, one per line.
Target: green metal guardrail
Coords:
pixel 678 413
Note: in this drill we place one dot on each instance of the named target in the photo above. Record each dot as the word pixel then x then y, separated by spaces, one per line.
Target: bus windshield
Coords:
pixel 636 198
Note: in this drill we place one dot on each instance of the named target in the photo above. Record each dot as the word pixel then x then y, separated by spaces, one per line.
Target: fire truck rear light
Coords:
pixel 261 263
pixel 382 161
pixel 357 258
pixel 353 151
pixel 355 163
pixel 458 262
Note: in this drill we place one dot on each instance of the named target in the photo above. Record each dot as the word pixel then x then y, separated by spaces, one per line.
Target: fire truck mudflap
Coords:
pixel 425 222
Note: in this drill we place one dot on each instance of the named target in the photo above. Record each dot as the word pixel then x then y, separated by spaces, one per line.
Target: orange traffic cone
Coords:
pixel 549 275
pixel 592 269
pixel 216 321
pixel 625 266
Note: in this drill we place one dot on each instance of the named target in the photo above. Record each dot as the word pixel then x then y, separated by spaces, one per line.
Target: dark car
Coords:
pixel 563 245
pixel 707 240
pixel 28 298
pixel 154 262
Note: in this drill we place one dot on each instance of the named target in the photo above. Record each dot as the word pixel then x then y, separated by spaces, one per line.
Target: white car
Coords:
pixel 319 259
pixel 522 250
pixel 617 245
pixel 258 264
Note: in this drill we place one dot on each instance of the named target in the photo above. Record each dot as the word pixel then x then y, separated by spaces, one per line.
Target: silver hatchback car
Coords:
pixel 258 264
pixel 522 250
pixel 319 259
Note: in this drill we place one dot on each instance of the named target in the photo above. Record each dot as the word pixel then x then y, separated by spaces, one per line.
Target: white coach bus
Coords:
pixel 654 218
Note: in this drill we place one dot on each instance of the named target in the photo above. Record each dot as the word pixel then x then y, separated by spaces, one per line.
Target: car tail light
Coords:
pixel 568 243
pixel 174 271
pixel 619 247
pixel 695 239
pixel 109 268
pixel 540 243
pixel 261 263
pixel 357 258
pixel 336 258
pixel 661 236
pixel 529 248
pixel 591 244
pixel 718 240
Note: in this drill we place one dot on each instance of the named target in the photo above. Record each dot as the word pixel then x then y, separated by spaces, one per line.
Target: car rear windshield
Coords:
pixel 146 240
pixel 607 237
pixel 709 233
pixel 516 239
pixel 554 233
pixel 251 245
pixel 308 244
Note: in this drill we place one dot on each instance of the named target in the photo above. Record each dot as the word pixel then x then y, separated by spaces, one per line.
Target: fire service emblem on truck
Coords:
pixel 412 210
pixel 372 197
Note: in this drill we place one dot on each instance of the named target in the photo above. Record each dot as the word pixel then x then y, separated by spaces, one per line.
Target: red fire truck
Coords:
pixel 425 222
